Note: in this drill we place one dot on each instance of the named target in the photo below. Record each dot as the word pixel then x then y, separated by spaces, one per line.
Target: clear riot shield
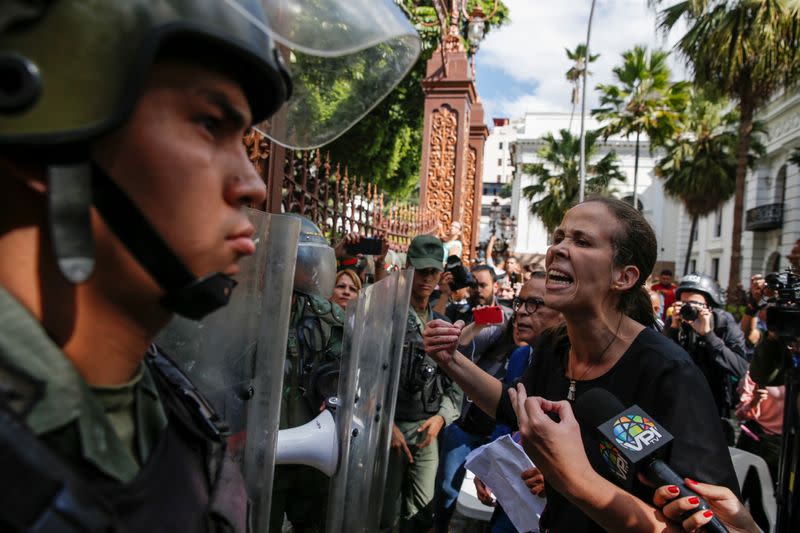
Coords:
pixel 375 326
pixel 235 356
pixel 344 56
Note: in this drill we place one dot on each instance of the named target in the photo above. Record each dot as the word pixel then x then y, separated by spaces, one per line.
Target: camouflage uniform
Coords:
pixel 315 342
pixel 424 391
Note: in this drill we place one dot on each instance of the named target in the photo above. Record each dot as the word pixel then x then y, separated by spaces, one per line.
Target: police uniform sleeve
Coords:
pixel 450 408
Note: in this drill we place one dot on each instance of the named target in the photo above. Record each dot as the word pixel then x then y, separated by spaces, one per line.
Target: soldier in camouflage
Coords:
pixel 313 354
pixel 427 401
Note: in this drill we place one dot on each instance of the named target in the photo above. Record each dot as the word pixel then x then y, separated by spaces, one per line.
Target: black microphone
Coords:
pixel 630 442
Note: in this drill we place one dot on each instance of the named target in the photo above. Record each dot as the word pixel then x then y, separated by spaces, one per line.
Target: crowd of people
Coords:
pixel 597 316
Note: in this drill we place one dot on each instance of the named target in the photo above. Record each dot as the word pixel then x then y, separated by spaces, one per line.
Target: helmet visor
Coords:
pixel 94 55
pixel 345 56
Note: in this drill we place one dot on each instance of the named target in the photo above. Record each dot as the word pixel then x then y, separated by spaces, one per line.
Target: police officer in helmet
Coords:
pixel 427 400
pixel 313 355
pixel 124 177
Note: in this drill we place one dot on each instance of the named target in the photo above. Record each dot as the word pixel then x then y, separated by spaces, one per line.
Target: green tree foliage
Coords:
pixel 643 102
pixel 699 167
pixel 795 157
pixel 385 147
pixel 747 50
pixel 558 179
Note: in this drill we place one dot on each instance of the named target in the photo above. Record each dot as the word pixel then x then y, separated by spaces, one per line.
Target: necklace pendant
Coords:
pixel 571 391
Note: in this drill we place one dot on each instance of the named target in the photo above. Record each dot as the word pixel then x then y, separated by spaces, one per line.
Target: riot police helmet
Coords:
pixel 315 269
pixel 701 284
pixel 74 71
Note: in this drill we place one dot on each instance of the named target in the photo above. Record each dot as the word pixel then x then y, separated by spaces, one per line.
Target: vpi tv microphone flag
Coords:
pixel 631 441
pixel 628 435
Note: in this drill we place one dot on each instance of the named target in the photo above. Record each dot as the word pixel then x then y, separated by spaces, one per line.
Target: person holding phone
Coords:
pixel 354 251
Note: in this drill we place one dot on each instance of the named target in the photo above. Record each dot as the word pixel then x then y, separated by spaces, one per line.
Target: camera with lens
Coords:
pixel 689 312
pixel 461 276
pixel 783 310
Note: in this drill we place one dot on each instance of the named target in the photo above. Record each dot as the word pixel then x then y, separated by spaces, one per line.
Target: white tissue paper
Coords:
pixel 499 465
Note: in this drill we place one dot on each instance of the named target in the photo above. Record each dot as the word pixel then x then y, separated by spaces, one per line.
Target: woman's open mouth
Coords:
pixel 557 278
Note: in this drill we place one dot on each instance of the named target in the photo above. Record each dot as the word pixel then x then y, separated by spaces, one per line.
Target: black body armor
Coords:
pixel 422 383
pixel 188 483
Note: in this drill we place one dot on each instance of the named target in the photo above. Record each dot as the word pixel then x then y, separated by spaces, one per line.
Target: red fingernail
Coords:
pixel 708 514
pixel 693 482
pixel 673 489
pixel 694 500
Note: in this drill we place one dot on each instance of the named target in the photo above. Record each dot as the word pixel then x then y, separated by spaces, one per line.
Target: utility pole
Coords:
pixel 583 106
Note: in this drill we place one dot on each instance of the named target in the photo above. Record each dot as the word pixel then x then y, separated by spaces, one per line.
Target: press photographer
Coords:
pixel 481 283
pixel 777 362
pixel 712 337
pixel 455 286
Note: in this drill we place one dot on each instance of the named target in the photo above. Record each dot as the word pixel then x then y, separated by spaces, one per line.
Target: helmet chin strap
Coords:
pixel 69 198
pixel 72 189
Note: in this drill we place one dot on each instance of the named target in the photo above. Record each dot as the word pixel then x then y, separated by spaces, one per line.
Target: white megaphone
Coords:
pixel 314 444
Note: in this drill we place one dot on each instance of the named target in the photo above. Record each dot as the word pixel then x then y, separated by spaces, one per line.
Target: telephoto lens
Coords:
pixel 689 312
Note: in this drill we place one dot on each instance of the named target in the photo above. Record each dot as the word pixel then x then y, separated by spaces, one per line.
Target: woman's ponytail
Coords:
pixel 636 304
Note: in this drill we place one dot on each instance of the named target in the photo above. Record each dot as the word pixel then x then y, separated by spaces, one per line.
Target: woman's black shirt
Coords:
pixel 657 375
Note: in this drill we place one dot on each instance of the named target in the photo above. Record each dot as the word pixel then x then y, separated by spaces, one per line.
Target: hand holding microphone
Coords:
pixel 724 503
pixel 632 443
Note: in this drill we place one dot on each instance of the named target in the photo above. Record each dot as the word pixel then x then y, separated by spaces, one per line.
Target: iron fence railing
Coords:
pixel 308 183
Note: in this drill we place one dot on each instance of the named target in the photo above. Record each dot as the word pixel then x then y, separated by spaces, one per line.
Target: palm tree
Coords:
pixel 575 74
pixel 699 167
pixel 644 102
pixel 558 176
pixel 747 50
pixel 795 157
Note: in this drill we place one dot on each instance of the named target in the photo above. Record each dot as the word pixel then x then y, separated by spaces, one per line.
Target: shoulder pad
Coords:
pixel 324 309
pixel 319 306
pixel 337 313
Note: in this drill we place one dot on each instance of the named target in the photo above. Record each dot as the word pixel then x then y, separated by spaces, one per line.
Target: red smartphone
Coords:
pixel 488 315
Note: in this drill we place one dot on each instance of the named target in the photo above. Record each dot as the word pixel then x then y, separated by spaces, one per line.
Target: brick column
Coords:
pixel 450 101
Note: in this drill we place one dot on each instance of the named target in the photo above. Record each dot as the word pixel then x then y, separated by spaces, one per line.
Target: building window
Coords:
pixel 498 178
pixel 501 146
pixel 715 268
pixel 492 189
pixel 500 162
pixel 780 186
pixel 695 232
pixel 693 265
pixel 718 222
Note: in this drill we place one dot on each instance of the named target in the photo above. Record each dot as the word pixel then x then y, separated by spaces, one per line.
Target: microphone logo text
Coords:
pixel 635 432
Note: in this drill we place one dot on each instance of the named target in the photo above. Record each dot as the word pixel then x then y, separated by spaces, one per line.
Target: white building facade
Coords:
pixel 498 171
pixel 771 205
pixel 660 211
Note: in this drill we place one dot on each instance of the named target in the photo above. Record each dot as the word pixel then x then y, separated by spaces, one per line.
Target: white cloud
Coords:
pixel 531 48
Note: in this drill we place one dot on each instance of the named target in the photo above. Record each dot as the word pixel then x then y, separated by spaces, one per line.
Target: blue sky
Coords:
pixel 494 82
pixel 521 66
